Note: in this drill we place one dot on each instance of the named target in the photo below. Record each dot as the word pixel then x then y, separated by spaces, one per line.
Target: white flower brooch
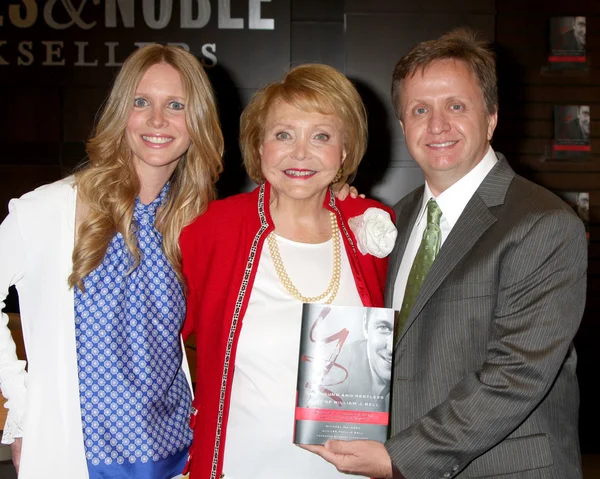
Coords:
pixel 375 232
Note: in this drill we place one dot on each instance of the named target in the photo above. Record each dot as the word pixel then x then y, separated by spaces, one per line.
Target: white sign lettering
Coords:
pixel 157 14
pixel 85 15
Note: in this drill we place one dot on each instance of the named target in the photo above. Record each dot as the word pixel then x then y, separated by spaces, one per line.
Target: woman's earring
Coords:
pixel 338 176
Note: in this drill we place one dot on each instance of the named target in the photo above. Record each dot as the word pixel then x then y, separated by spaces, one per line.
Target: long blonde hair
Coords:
pixel 108 185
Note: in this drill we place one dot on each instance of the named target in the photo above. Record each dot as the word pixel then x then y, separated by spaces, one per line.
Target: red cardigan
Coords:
pixel 220 250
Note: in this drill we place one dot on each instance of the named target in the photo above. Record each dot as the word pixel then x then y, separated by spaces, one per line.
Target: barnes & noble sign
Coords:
pixel 56 38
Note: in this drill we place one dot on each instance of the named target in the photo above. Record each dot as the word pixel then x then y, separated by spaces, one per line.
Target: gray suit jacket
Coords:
pixel 484 372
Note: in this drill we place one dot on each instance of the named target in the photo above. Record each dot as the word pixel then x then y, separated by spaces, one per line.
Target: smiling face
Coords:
pixel 156 130
pixel 301 151
pixel 445 122
pixel 379 331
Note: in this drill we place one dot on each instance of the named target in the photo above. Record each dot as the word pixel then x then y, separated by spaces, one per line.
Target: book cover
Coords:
pixel 567 43
pixel 571 132
pixel 344 373
pixel 580 202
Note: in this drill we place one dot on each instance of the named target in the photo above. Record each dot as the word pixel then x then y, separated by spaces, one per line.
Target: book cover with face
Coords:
pixel 344 373
pixel 571 132
pixel 567 43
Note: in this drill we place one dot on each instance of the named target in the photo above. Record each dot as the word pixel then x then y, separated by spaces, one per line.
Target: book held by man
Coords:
pixel 344 373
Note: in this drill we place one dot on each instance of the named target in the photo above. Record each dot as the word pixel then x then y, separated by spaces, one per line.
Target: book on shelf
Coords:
pixel 571 132
pixel 567 43
pixel 344 373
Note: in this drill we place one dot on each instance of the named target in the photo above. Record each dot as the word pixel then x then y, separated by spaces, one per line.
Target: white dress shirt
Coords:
pixel 452 202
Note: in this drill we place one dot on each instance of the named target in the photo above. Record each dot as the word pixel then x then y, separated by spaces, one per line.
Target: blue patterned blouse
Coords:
pixel 135 399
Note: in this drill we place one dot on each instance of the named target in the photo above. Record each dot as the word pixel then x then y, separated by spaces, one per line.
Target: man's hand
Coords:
pixel 346 190
pixel 15 449
pixel 362 458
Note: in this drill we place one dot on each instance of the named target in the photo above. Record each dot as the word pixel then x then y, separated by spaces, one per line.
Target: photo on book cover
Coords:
pixel 580 202
pixel 344 373
pixel 567 43
pixel 571 132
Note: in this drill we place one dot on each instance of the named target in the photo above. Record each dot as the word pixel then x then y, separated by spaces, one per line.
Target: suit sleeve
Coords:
pixel 540 302
pixel 12 370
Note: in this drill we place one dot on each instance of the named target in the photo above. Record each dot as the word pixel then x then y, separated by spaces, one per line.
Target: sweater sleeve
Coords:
pixel 187 260
pixel 12 371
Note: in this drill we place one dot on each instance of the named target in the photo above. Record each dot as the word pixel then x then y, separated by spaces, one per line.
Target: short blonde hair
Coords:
pixel 310 87
pixel 108 184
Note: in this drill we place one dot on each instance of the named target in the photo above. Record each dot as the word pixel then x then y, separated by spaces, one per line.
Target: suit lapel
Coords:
pixel 474 221
pixel 406 215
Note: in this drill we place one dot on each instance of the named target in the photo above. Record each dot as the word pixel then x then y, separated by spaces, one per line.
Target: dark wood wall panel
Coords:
pixel 411 6
pixel 565 93
pixel 30 114
pixel 72 155
pixel 538 76
pixel 566 180
pixel 510 111
pixel 318 10
pixel 528 94
pixel 516 28
pixel 20 153
pixel 17 180
pixel 540 163
pixel 555 7
pixel 538 128
pixel 81 105
pixel 308 39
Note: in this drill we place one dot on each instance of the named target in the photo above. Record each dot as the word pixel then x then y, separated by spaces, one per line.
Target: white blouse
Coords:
pixel 259 441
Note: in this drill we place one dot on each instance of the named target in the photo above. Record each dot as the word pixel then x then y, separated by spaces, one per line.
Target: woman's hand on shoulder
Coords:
pixel 346 190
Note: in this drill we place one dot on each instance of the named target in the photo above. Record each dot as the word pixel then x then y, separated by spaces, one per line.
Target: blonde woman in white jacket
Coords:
pixel 95 259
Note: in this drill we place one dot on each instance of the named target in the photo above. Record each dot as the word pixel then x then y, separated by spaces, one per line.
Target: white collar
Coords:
pixel 453 200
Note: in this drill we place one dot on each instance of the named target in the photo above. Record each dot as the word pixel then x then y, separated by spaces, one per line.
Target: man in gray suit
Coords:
pixel 490 277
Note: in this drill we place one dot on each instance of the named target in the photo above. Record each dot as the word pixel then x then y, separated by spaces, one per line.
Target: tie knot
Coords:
pixel 433 212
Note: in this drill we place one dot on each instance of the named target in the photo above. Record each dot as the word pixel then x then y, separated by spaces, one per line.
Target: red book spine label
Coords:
pixel 571 147
pixel 334 415
pixel 567 59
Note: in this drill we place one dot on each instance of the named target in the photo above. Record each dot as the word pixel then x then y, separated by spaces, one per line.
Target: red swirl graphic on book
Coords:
pixel 326 362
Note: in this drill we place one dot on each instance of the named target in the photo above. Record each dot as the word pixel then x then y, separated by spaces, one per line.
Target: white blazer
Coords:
pixel 36 247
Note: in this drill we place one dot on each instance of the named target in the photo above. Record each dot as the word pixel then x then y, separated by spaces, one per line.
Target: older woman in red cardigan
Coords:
pixel 251 261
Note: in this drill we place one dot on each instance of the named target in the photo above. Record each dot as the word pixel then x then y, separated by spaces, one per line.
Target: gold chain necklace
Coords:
pixel 334 284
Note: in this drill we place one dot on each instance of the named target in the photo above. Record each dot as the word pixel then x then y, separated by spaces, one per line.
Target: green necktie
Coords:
pixel 428 250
